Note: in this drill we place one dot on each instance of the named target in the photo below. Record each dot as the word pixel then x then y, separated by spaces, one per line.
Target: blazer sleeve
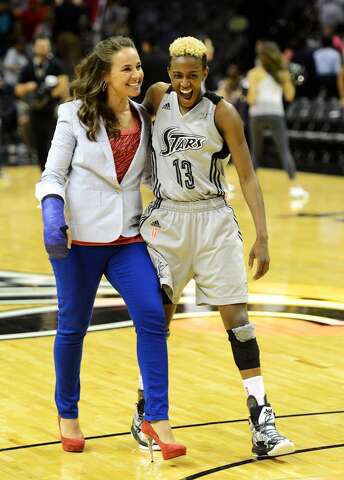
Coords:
pixel 60 155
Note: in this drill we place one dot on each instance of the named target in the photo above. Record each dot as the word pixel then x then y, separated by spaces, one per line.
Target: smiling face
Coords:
pixel 41 47
pixel 126 75
pixel 187 74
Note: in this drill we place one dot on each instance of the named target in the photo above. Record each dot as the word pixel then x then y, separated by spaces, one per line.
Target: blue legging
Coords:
pixel 130 271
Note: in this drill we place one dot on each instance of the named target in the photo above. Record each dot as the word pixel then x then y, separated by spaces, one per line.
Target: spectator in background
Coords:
pixel 338 39
pixel 230 86
pixel 8 116
pixel 210 82
pixel 42 98
pixel 302 54
pixel 154 62
pixel 331 12
pixel 327 66
pixel 233 89
pixel 32 16
pixel 115 18
pixel 68 18
pixel 7 23
pixel 270 83
pixel 14 61
pixel 93 8
pixel 338 43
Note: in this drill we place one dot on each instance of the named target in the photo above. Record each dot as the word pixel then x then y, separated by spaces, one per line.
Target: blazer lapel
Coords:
pixel 138 153
pixel 103 140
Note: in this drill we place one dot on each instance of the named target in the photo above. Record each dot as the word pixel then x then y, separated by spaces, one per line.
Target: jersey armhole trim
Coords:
pixel 213 97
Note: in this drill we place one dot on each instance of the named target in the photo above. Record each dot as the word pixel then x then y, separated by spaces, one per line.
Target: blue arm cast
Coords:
pixel 55 238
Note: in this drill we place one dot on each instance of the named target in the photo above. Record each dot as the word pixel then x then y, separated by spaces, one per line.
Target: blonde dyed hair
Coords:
pixel 189 47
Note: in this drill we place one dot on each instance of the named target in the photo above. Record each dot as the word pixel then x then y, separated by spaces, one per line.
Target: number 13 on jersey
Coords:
pixel 184 173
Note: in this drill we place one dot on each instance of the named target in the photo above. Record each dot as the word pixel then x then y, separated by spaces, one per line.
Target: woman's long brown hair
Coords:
pixel 271 59
pixel 88 86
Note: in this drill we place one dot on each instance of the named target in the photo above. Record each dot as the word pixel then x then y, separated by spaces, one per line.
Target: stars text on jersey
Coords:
pixel 176 141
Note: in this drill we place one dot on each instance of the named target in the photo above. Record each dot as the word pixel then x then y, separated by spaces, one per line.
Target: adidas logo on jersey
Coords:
pixel 167 106
pixel 155 224
pixel 175 141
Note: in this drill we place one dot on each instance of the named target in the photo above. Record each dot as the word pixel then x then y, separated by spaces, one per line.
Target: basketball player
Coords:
pixel 190 229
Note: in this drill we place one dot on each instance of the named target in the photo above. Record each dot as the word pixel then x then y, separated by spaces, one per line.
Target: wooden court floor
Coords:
pixel 299 312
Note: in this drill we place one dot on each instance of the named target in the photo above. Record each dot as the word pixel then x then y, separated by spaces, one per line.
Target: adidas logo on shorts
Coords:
pixel 166 106
pixel 155 224
pixel 155 229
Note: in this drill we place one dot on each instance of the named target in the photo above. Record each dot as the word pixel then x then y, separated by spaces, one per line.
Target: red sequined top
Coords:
pixel 123 148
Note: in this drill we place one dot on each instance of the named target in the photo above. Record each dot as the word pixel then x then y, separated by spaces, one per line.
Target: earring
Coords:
pixel 104 86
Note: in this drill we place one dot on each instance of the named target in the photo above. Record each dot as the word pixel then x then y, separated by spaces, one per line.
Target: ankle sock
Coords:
pixel 255 386
pixel 140 382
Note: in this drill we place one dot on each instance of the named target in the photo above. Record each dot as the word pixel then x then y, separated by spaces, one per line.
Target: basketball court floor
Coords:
pixel 298 308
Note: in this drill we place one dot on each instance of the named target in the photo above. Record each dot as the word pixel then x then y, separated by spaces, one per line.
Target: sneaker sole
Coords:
pixel 283 448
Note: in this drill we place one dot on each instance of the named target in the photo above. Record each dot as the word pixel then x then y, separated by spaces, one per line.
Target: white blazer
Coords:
pixel 97 207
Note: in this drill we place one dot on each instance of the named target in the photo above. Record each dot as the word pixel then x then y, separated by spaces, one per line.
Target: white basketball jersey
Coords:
pixel 188 151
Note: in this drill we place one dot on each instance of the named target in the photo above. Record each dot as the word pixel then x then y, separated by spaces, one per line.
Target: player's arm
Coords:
pixel 230 126
pixel 154 96
pixel 151 103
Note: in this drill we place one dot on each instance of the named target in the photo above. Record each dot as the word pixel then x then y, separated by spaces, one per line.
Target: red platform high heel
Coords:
pixel 71 444
pixel 168 450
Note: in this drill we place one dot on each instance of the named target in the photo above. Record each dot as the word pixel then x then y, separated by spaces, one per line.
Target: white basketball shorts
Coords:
pixel 197 240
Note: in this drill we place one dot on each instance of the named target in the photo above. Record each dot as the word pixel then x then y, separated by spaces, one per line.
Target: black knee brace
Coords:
pixel 244 347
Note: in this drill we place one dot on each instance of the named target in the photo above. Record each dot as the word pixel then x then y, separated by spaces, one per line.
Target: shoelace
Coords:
pixel 268 428
pixel 270 432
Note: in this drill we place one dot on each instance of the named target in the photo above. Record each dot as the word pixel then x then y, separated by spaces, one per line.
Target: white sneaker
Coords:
pixel 136 427
pixel 298 192
pixel 297 204
pixel 266 440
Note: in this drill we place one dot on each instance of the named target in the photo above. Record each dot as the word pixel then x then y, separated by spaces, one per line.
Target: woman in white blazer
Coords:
pixel 91 205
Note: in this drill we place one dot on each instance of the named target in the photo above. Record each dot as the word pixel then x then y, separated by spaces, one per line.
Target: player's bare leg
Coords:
pixel 266 441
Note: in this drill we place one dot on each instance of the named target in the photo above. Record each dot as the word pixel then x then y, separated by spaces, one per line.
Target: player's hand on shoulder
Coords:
pixel 154 96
